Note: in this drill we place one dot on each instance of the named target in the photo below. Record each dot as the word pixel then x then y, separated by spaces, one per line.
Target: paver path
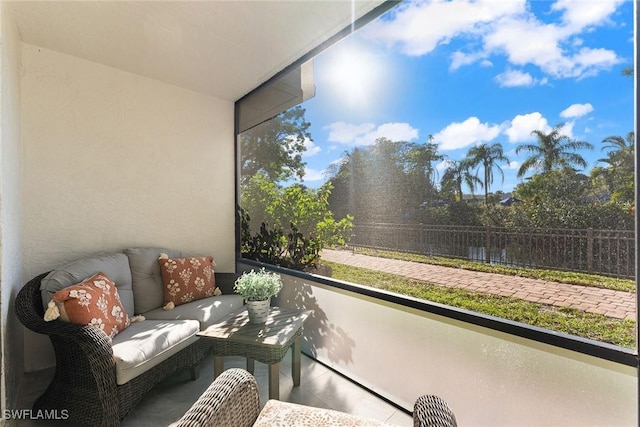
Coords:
pixel 618 304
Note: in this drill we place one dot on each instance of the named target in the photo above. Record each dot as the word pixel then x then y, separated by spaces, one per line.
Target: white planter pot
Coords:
pixel 258 310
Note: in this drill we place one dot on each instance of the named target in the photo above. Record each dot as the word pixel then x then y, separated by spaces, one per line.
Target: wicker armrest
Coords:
pixel 93 341
pixel 84 355
pixel 432 411
pixel 232 400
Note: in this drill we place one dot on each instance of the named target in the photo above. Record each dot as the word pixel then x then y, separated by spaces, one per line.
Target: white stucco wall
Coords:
pixel 10 206
pixel 114 160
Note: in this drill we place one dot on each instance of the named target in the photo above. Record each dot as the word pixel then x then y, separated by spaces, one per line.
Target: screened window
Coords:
pixel 473 137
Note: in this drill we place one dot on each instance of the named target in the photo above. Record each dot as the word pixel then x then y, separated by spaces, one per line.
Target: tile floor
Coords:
pixel 320 386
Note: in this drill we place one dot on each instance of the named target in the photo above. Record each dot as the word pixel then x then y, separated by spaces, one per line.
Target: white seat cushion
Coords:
pixel 145 344
pixel 207 310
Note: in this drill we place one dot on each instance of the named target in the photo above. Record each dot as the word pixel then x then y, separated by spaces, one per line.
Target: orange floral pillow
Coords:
pixel 94 302
pixel 187 279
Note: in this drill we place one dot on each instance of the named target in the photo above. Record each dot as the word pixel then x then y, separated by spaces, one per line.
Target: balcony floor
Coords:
pixel 320 387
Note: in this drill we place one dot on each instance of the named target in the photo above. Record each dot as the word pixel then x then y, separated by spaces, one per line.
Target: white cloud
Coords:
pixel 567 129
pixel 367 133
pixel 577 15
pixel 396 132
pixel 505 28
pixel 576 110
pixel 460 135
pixel 312 149
pixel 514 78
pixel 527 41
pixel 588 62
pixel 522 125
pixel 443 165
pixel 346 133
pixel 311 175
pixel 513 165
pixel 547 46
pixel 420 27
pixel 460 59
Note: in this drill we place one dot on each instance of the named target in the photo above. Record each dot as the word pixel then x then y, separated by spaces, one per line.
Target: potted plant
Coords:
pixel 257 288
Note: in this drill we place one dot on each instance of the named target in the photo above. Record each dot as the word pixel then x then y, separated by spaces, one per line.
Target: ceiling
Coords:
pixel 222 48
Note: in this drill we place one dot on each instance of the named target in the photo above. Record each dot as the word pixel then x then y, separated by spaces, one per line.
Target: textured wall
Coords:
pixel 10 206
pixel 113 159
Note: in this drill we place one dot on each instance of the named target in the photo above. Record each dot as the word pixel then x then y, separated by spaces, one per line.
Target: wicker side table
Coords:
pixel 267 343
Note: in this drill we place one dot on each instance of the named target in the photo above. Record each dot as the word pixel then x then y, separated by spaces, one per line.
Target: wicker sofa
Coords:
pixel 98 380
pixel 232 400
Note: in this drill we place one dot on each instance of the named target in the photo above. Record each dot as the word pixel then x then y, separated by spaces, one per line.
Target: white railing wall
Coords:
pixel 489 378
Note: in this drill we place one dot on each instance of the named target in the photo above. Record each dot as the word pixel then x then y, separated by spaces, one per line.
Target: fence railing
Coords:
pixel 606 252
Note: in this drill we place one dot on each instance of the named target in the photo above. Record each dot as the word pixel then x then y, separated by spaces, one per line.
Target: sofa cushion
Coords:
pixel 115 266
pixel 94 302
pixel 145 344
pixel 276 413
pixel 146 277
pixel 207 311
pixel 186 279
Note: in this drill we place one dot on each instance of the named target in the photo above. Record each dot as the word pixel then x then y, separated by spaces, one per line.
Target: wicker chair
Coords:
pixel 232 401
pixel 84 383
pixel 432 411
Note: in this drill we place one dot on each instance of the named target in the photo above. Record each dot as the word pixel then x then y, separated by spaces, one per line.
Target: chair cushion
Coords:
pixel 207 311
pixel 276 414
pixel 94 302
pixel 187 279
pixel 145 344
pixel 115 266
pixel 146 277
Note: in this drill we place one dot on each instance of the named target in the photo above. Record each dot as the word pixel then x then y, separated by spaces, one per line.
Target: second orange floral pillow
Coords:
pixel 187 279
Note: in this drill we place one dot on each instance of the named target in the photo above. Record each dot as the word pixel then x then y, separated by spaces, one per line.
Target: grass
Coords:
pixel 567 320
pixel 568 277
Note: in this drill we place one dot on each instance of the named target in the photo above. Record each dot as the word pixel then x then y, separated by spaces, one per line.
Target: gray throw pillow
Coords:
pixel 146 276
pixel 115 266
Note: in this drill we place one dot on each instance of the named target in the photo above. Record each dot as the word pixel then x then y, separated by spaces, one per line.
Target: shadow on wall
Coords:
pixel 320 333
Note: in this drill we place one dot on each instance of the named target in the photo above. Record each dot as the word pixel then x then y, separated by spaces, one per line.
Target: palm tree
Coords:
pixel 552 150
pixel 458 173
pixel 618 147
pixel 619 175
pixel 488 157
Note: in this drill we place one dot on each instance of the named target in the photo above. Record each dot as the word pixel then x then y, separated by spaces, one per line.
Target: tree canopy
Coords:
pixel 286 226
pixel 398 181
pixel 619 174
pixel 275 147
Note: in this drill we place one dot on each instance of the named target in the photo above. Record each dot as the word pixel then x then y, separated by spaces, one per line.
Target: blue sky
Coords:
pixel 471 72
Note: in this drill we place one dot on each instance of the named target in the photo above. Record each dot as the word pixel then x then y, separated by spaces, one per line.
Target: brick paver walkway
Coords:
pixel 616 304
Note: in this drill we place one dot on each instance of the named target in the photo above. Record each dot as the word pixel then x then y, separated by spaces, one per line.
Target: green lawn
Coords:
pixel 567 320
pixel 569 277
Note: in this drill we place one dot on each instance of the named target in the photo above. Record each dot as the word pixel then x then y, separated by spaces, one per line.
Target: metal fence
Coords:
pixel 606 252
